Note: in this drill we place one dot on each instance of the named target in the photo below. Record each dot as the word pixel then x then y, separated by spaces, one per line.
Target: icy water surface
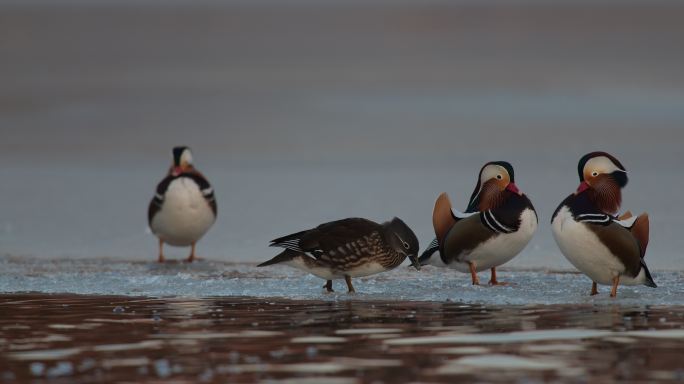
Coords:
pixel 214 278
pixel 72 339
pixel 211 321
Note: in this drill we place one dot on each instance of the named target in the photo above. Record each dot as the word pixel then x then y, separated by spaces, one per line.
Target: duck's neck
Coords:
pixel 607 199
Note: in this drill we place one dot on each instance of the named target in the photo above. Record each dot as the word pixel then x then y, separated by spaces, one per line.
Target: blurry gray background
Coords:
pixel 309 111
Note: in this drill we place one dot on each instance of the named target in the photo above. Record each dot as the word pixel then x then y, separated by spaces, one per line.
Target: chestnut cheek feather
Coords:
pixel 606 195
pixel 490 196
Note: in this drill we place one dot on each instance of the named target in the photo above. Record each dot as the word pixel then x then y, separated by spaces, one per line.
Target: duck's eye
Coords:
pixel 499 177
pixel 594 173
pixel 406 245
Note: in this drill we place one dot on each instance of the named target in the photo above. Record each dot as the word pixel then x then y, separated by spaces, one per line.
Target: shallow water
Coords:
pixel 67 338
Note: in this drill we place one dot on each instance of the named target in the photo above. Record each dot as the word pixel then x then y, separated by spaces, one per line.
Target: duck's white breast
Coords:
pixel 501 248
pixel 586 252
pixel 185 216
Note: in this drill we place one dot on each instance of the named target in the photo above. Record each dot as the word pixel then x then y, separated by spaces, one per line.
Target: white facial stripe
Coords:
pixel 601 165
pixel 186 157
pixel 491 171
pixel 403 243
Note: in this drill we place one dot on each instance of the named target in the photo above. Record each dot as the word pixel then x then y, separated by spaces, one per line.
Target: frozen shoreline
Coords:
pixel 217 279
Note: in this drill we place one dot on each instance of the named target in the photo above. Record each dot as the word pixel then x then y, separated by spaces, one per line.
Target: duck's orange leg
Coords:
pixel 594 288
pixel 494 281
pixel 473 273
pixel 161 251
pixel 191 258
pixel 613 291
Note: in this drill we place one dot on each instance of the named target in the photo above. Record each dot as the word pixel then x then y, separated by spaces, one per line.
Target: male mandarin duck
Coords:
pixel 184 207
pixel 607 248
pixel 497 224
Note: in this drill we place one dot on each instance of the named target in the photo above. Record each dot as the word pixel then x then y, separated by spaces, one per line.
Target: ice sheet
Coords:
pixel 213 278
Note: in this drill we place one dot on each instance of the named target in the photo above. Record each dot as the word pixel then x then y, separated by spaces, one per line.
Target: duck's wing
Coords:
pixel 331 238
pixel 618 239
pixel 466 235
pixel 204 186
pixel 158 199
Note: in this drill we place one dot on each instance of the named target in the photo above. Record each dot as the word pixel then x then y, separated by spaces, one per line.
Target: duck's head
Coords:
pixel 403 240
pixel 495 183
pixel 182 160
pixel 603 177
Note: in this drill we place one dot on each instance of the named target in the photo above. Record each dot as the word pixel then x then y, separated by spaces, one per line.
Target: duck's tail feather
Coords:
pixel 442 216
pixel 640 230
pixel 649 279
pixel 282 257
pixel 424 259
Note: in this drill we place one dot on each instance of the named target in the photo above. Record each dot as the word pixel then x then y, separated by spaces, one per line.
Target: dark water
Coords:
pixel 97 338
